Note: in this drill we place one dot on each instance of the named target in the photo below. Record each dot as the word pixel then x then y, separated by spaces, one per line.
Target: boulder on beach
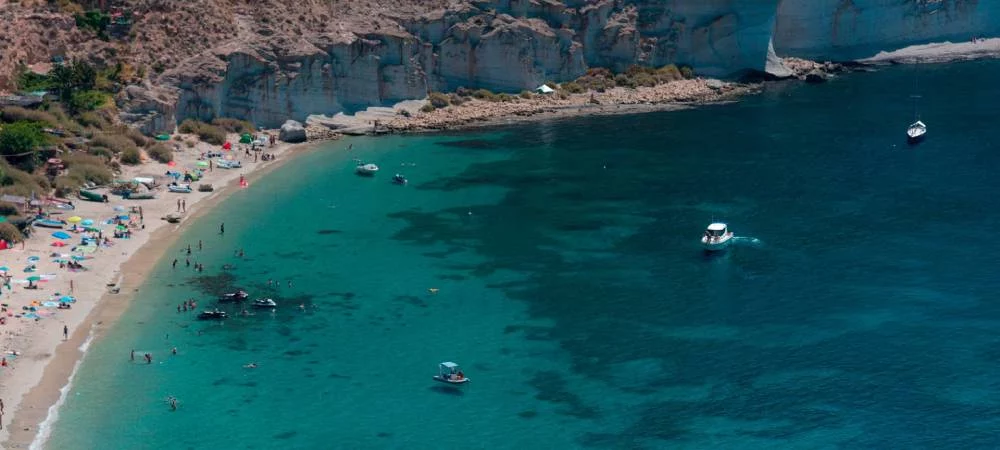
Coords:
pixel 292 132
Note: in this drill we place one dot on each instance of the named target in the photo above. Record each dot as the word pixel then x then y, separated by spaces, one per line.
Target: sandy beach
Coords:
pixel 30 384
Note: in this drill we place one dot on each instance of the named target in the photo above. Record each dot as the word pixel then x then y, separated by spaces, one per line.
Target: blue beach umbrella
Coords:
pixel 67 299
pixel 4 269
pixel 60 261
pixel 123 217
pixel 50 304
pixel 60 235
pixel 87 222
pixel 78 258
pixel 33 259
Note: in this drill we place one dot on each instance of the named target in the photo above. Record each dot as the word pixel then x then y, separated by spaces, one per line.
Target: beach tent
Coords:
pixel 163 137
pixel 245 138
pixel 544 89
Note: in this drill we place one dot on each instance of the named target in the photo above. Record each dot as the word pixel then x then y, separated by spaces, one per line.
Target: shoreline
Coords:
pixel 48 361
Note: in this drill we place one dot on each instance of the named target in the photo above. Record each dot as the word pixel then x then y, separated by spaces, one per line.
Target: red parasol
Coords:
pixel 58 244
pixel 227 146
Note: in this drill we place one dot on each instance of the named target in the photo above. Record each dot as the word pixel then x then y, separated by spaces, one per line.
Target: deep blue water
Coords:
pixel 856 310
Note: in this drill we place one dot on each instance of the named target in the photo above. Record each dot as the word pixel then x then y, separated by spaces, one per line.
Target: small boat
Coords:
pixel 214 314
pixel 915 133
pixel 399 179
pixel 179 188
pixel 237 296
pixel 92 196
pixel 129 195
pixel 717 237
pixel 366 169
pixel 49 223
pixel 451 373
pixel 264 303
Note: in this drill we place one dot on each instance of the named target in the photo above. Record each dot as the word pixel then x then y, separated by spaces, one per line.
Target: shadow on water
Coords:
pixel 448 390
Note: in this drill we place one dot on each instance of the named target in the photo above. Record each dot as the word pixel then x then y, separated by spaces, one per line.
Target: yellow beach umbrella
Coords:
pixel 74 219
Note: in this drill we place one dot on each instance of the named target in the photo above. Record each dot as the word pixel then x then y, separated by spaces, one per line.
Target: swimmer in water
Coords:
pixel 173 403
pixel 252 365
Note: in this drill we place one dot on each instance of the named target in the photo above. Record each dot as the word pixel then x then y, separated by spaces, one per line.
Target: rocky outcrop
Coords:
pixel 279 71
pixel 292 131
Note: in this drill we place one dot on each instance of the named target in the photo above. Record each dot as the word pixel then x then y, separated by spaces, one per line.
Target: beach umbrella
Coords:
pixel 78 258
pixel 163 137
pixel 91 229
pixel 171 163
pixel 119 208
pixel 227 146
pixel 3 219
pixel 4 269
pixel 60 261
pixel 58 244
pixel 201 164
pixel 33 259
pixel 67 299
pixel 50 304
pixel 246 138
pixel 87 222
pixel 74 219
pixel 123 217
pixel 34 278
pixel 60 235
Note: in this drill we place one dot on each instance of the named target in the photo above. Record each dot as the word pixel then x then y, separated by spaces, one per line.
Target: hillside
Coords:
pixel 268 60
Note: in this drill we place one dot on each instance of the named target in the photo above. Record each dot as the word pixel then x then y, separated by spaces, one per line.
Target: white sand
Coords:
pixel 38 342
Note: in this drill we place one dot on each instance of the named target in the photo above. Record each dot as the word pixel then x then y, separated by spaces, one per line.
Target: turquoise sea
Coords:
pixel 857 309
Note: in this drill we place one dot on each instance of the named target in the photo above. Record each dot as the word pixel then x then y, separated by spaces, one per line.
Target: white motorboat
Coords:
pixel 366 169
pixel 451 373
pixel 264 303
pixel 717 237
pixel 915 133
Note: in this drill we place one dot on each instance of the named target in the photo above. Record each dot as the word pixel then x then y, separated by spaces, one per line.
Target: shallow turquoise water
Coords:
pixel 855 311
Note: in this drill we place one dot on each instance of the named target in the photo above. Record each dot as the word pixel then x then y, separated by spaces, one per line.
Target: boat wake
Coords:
pixel 746 240
pixel 45 428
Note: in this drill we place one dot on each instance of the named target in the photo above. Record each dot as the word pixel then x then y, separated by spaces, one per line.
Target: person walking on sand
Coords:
pixel 184 205
pixel 178 205
pixel 65 332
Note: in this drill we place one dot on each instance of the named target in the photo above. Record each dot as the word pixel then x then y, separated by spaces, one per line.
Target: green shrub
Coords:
pixel 67 185
pixel 456 100
pixel 427 108
pixel 92 119
pixel 161 153
pixel 117 143
pixel 484 94
pixel 18 182
pixel 94 20
pixel 233 125
pixel 572 87
pixel 504 97
pixel 17 114
pixel 102 152
pixel 687 72
pixel 463 92
pixel 439 100
pixel 207 133
pixel 526 94
pixel 19 142
pixel 136 136
pixel 30 81
pixel 8 209
pixel 131 157
pixel 88 100
pixel 10 233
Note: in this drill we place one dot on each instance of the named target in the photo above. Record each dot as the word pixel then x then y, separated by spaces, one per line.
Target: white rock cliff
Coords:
pixel 511 45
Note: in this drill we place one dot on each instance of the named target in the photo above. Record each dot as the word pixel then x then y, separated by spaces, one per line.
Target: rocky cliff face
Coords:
pixel 511 45
pixel 854 29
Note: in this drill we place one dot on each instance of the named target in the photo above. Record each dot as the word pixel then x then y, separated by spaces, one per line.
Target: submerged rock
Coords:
pixel 817 76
